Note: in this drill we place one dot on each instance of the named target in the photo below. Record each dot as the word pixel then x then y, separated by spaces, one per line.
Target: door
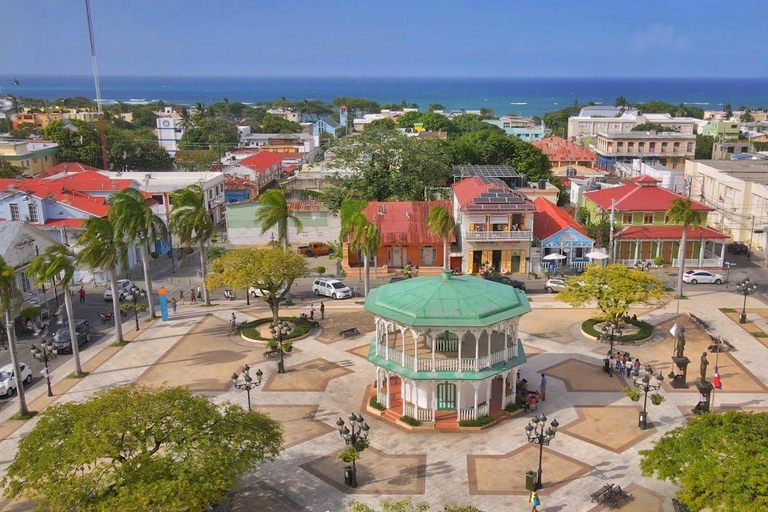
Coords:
pixel 496 260
pixel 446 397
pixel 428 253
pixel 397 259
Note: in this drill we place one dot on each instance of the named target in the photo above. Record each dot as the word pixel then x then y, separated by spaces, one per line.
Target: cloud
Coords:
pixel 659 37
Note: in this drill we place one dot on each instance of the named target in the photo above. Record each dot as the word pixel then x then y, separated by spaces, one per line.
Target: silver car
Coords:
pixel 555 284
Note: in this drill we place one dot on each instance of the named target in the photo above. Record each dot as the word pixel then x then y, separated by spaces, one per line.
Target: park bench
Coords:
pixel 269 354
pixel 678 507
pixel 595 496
pixel 608 496
pixel 699 322
pixel 719 344
pixel 349 333
pixel 620 500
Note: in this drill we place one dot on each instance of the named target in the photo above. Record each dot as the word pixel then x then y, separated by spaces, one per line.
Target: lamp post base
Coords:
pixel 743 318
pixel 280 367
pixel 642 420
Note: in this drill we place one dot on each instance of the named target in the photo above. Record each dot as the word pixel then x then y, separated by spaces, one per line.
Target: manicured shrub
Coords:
pixel 479 422
pixel 375 404
pixel 410 420
pixel 300 328
pixel 645 329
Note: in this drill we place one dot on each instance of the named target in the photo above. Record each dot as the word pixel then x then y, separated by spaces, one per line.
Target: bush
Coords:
pixel 656 399
pixel 727 310
pixel 658 260
pixel 645 331
pixel 375 404
pixel 479 422
pixel 300 328
pixel 410 420
pixel 631 393
pixel 516 405
pixel 320 269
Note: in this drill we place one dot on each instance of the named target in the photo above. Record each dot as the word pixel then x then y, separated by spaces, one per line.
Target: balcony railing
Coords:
pixel 497 235
pixel 446 364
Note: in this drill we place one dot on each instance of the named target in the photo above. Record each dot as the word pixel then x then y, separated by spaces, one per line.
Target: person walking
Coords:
pixel 81 293
pixel 181 297
pixel 199 292
pixel 233 322
pixel 543 388
pixel 636 367
pixel 192 296
pixel 311 310
pixel 173 305
pixel 322 311
pixel 623 369
pixel 610 364
pixel 535 501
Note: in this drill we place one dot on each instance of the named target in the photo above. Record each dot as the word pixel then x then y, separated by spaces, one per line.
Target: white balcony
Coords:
pixel 497 236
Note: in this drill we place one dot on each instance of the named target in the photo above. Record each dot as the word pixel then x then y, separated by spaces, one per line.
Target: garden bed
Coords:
pixel 301 329
pixel 643 332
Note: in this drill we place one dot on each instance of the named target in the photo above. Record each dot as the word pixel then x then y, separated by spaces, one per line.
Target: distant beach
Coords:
pixel 526 96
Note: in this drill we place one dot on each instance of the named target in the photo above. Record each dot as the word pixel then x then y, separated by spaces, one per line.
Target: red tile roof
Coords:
pixel 232 182
pixel 263 160
pixel 644 178
pixel 644 196
pixel 468 189
pixel 66 166
pixel 550 219
pixel 494 195
pixel 667 233
pixel 404 222
pixel 67 223
pixel 558 149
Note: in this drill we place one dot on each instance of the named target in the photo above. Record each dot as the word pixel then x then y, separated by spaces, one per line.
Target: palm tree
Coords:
pixel 366 239
pixel 682 212
pixel 440 223
pixel 193 224
pixel 57 262
pixel 275 211
pixel 101 249
pixel 8 292
pixel 134 220
pixel 185 119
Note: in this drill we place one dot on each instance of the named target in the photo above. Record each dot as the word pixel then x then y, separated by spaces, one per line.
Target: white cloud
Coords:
pixel 659 37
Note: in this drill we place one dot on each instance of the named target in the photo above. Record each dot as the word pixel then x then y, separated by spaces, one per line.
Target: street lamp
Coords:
pixel 248 383
pixel 645 385
pixel 45 353
pixel 278 330
pixel 356 435
pixel 746 288
pixel 536 433
pixel 611 330
pixel 136 292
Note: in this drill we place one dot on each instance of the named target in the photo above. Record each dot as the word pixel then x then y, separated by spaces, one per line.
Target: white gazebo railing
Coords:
pixel 482 410
pixel 424 414
pixel 696 262
pixel 466 413
pixel 497 235
pixel 409 410
pixel 449 364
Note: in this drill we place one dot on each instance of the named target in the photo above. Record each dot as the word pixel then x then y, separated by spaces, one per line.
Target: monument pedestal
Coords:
pixel 678 379
pixel 705 402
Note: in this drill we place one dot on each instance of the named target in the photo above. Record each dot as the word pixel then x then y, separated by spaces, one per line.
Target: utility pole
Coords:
pixel 610 242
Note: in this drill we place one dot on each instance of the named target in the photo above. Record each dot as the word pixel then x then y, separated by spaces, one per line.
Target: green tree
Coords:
pixel 139 448
pixel 134 220
pixel 78 141
pixel 138 149
pixel 557 121
pixel 9 299
pixel 718 461
pixel 747 116
pixel 365 237
pixel 101 249
pixel 468 123
pixel 683 212
pixel 22 131
pixel 440 223
pixel 275 124
pixel 185 119
pixel 656 127
pixel 704 145
pixel 621 101
pixel 436 106
pixel 615 288
pixel 728 111
pixel 10 171
pixel 193 224
pixel 275 212
pixel 380 125
pixel 57 263
pixel 144 117
pixel 195 159
pixel 408 119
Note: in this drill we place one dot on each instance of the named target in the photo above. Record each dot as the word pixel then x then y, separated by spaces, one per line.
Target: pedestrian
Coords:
pixel 199 292
pixel 322 311
pixel 636 367
pixel 181 297
pixel 233 322
pixel 173 305
pixel 535 501
pixel 623 368
pixel 81 293
pixel 610 364
pixel 193 297
pixel 311 310
pixel 543 388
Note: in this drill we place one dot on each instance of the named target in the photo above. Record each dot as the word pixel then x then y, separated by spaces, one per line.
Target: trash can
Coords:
pixel 642 420
pixel 350 478
pixel 607 365
pixel 530 481
pixel 280 367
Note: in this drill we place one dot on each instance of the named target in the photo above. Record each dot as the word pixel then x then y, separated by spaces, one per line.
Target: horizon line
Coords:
pixel 365 76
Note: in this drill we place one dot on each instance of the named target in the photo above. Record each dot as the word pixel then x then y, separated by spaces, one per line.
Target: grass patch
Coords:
pixel 75 376
pixel 410 420
pixel 479 422
pixel 727 310
pixel 375 404
pixel 759 334
pixel 645 329
pixel 120 343
pixel 24 417
pixel 150 319
pixel 300 328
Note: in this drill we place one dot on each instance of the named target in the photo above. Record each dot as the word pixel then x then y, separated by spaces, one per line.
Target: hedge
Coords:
pixel 375 404
pixel 479 422
pixel 410 420
pixel 517 404
pixel 300 328
pixel 645 331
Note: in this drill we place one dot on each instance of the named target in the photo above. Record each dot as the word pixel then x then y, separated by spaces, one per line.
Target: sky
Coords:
pixel 480 38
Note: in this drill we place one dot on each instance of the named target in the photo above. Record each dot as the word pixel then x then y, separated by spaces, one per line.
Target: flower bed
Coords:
pixel 300 328
pixel 644 329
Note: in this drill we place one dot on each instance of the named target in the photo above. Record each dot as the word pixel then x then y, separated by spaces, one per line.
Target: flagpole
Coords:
pixel 717 371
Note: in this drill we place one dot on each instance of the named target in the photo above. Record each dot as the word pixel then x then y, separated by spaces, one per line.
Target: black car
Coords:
pixel 738 248
pixel 505 280
pixel 62 340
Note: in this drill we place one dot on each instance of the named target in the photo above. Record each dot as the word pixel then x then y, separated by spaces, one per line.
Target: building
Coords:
pixel 523 128
pixel 289 114
pixel 563 153
pixel 670 179
pixel 513 179
pixel 721 129
pixel 595 119
pixel 556 232
pixel 726 150
pixel 169 130
pixel 359 124
pixel 239 190
pixel 446 348
pixel 495 223
pixel 642 229
pixel 405 237
pixel 327 125
pixel 32 156
pixel 319 224
pixel 670 149
pixel 304 143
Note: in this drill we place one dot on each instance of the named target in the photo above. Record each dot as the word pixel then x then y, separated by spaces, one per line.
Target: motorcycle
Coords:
pixel 106 318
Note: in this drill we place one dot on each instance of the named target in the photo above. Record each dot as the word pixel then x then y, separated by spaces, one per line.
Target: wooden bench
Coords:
pixel 622 499
pixel 269 354
pixel 608 496
pixel 349 333
pixel 595 496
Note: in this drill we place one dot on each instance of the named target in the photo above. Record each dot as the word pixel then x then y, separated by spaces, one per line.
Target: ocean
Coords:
pixel 525 96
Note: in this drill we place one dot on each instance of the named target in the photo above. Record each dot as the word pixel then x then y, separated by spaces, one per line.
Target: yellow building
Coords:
pixel 33 157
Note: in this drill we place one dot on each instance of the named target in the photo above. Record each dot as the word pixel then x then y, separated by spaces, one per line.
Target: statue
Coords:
pixel 703 367
pixel 680 345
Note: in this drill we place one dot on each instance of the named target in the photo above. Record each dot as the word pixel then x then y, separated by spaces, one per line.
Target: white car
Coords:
pixel 702 276
pixel 555 284
pixel 256 292
pixel 8 383
pixel 331 288
pixel 123 288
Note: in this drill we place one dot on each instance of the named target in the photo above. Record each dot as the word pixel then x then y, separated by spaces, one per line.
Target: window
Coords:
pixel 33 214
pixel 578 252
pixel 159 198
pixel 648 218
pixel 25 286
pixel 626 218
pixel 15 212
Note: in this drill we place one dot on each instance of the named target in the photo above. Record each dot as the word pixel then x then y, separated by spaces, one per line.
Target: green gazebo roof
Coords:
pixel 447 301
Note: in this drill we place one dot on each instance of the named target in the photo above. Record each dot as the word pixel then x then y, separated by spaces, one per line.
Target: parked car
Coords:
pixel 555 284
pixel 702 276
pixel 738 248
pixel 8 383
pixel 256 292
pixel 506 280
pixel 314 249
pixel 331 288
pixel 62 340
pixel 123 289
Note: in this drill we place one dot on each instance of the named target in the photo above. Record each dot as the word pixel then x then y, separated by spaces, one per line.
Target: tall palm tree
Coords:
pixel 185 119
pixel 193 224
pixel 440 223
pixel 275 212
pixel 682 212
pixel 101 249
pixel 8 293
pixel 134 220
pixel 57 262
pixel 366 239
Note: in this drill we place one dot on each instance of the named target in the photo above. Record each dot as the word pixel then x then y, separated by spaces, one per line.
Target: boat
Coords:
pixel 16 81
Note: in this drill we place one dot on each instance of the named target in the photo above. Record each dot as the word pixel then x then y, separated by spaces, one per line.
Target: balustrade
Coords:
pixel 424 414
pixel 482 410
pixel 450 364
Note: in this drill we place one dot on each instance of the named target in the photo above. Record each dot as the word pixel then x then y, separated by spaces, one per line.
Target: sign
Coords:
pixel 163 293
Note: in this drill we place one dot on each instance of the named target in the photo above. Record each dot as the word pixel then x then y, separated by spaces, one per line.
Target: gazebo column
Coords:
pixel 415 399
pixel 386 337
pixel 477 352
pixel 388 390
pixel 461 342
pixel 433 399
pixel 490 335
pixel 402 347
pixel 489 388
pixel 637 250
pixel 378 340
pixel 402 394
pixel 475 385
pixel 415 350
pixel 434 344
pixel 458 400
pixel 503 390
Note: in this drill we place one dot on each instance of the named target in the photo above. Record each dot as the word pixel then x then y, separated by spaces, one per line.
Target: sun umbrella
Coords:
pixel 553 256
pixel 597 255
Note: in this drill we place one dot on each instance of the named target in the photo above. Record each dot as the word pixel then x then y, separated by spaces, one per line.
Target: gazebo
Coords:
pixel 446 347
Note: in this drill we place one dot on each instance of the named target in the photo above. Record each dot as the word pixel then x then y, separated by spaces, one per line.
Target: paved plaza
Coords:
pixel 327 377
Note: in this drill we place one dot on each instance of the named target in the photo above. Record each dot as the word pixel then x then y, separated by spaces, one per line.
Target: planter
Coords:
pixel 301 330
pixel 645 331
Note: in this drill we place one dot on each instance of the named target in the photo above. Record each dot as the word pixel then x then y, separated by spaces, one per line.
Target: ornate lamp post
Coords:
pixel 248 383
pixel 355 436
pixel 611 331
pixel 136 292
pixel 536 433
pixel 45 353
pixel 648 382
pixel 282 328
pixel 746 288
